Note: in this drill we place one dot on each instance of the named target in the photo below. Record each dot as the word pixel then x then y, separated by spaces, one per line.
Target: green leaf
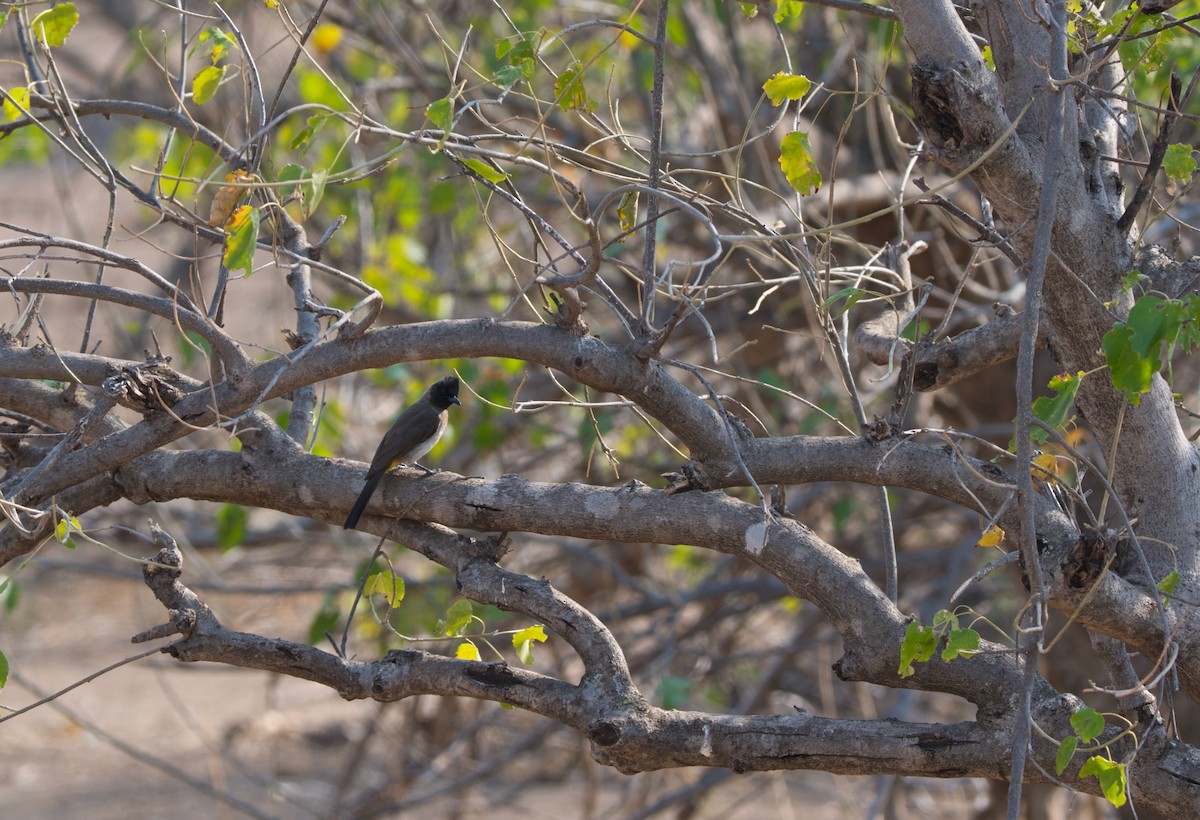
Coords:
pixel 242 230
pixel 522 59
pixel 523 642
pixel 458 617
pixel 1066 751
pixel 784 86
pixel 1134 348
pixel 1167 585
pixel 441 113
pixel 843 511
pixel 673 691
pixel 797 163
pixel 217 42
pixel 19 101
pixel 326 619
pixel 919 644
pixel 387 584
pixel 53 26
pixel 1088 724
pixel 10 593
pixel 486 171
pixel 1131 279
pixel 850 294
pixel 1179 164
pixel 231 526
pixel 506 76
pixel 1130 373
pixel 788 10
pixel 1189 330
pixel 3 670
pixel 317 185
pixel 960 643
pixel 1111 776
pixel 1055 410
pixel 569 90
pixel 989 59
pixel 1155 322
pixel 291 173
pixel 1157 51
pixel 206 82
pixel 304 139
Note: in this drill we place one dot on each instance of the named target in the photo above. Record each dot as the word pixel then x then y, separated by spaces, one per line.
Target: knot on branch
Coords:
pixel 148 387
pixel 182 622
pixel 188 614
pixel 877 430
pixel 688 477
pixel 1086 559
pixel 604 733
pixel 496 675
pixel 935 111
pixel 569 308
pixel 295 341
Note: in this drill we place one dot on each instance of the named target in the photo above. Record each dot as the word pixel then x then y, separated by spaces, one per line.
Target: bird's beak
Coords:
pixel 456 401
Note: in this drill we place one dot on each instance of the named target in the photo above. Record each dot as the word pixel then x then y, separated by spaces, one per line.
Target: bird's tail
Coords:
pixel 364 497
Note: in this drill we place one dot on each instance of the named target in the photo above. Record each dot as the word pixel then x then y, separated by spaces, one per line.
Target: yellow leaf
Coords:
pixel 16 101
pixel 627 210
pixel 326 37
pixel 54 25
pixel 241 239
pixel 798 165
pixel 627 41
pixel 1045 466
pixel 991 538
pixel 467 651
pixel 783 87
pixel 206 82
pixel 1077 437
pixel 228 197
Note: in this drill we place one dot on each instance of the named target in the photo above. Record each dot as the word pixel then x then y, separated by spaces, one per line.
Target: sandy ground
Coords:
pixel 55 763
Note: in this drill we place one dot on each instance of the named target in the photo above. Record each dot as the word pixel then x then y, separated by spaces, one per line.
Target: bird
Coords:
pixel 411 436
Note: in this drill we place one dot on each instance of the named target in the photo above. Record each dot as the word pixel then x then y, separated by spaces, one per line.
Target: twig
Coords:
pixel 1029 638
pixel 654 172
pixel 1157 152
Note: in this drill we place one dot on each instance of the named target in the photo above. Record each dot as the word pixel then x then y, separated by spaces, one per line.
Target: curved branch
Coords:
pixel 398 675
pixel 938 470
pixel 223 346
pixel 870 624
pixel 481 579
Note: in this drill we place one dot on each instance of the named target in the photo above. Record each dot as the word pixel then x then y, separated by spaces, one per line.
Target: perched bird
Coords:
pixel 411 436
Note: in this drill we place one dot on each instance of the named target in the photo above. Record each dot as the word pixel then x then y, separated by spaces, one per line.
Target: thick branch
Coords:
pixel 950 360
pixel 398 675
pixel 870 624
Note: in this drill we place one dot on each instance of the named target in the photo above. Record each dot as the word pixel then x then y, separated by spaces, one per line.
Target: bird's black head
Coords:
pixel 444 393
